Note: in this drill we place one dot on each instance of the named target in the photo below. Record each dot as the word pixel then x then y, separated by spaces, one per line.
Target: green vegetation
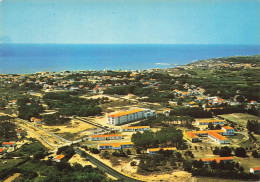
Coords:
pixel 68 104
pixel 7 128
pixel 164 137
pixel 29 107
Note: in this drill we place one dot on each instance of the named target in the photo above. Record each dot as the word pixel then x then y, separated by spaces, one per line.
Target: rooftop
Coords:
pixel 125 113
pixel 218 136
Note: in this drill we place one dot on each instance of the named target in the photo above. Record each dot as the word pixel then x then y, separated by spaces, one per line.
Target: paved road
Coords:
pixel 108 169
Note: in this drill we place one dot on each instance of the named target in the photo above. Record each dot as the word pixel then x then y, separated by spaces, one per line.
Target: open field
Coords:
pixel 239 118
pixel 72 130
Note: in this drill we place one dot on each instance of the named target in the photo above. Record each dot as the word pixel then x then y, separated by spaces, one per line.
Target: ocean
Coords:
pixel 31 58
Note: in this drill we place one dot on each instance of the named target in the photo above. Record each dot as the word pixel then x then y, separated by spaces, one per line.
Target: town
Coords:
pixel 172 124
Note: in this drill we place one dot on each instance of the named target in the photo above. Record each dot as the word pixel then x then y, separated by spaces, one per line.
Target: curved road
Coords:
pixel 108 169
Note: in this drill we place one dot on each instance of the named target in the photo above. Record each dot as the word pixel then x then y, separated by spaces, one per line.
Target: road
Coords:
pixel 107 169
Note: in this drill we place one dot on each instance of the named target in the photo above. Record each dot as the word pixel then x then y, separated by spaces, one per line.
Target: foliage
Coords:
pixel 7 128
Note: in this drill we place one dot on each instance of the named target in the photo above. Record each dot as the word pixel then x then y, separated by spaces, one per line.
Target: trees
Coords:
pixel 7 128
pixel 253 126
pixel 255 154
pixel 240 152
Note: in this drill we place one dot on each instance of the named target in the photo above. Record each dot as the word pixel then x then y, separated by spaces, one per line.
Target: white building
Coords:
pixel 127 116
pixel 135 128
pixel 255 170
pixel 115 146
pixel 206 122
pixel 228 130
pixel 106 137
pixel 218 138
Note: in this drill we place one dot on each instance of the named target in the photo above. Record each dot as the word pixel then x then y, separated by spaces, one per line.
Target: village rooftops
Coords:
pixel 208 131
pixel 135 127
pixel 97 136
pixel 125 113
pixel 218 136
pixel 216 159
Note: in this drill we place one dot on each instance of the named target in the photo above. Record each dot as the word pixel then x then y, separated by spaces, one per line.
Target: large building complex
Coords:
pixel 206 122
pixel 216 135
pixel 128 116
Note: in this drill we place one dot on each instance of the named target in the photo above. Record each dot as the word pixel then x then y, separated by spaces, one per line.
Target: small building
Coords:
pixel 224 159
pixel 228 130
pixel 106 137
pixel 8 144
pixel 218 138
pixel 135 128
pixel 115 146
pixel 189 136
pixel 2 151
pixel 21 132
pixel 255 170
pixel 156 150
pixel 37 121
pixel 206 122
pixel 59 157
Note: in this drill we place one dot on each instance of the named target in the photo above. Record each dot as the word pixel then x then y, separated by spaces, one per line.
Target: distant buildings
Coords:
pixel 106 137
pixel 255 170
pixel 128 116
pixel 135 128
pixel 206 122
pixel 8 144
pixel 219 159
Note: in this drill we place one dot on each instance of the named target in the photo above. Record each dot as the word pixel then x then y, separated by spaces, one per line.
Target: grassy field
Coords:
pixel 239 118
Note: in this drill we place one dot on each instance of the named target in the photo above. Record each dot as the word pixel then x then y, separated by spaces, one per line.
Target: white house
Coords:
pixel 106 137
pixel 135 128
pixel 255 170
pixel 228 130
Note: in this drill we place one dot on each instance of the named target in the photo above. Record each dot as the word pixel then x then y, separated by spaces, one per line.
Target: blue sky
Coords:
pixel 130 21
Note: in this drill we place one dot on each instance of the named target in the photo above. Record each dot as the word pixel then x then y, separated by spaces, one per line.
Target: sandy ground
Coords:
pixel 12 178
pixel 78 128
pixel 128 170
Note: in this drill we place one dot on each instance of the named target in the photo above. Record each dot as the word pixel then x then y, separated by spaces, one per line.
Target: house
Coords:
pixel 255 170
pixel 206 122
pixel 59 157
pixel 219 159
pixel 127 116
pixel 135 128
pixel 156 150
pixel 189 136
pixel 115 146
pixel 8 144
pixel 21 132
pixel 106 137
pixel 14 101
pixel 228 130
pixel 2 151
pixel 37 121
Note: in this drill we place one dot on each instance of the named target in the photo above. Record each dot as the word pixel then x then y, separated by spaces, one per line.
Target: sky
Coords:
pixel 130 21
